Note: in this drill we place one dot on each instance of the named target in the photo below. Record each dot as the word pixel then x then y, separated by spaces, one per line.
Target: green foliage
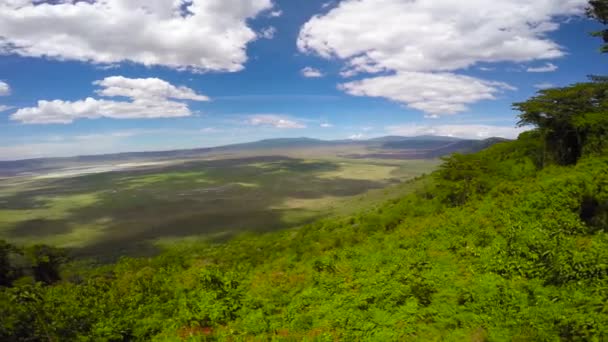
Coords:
pixel 518 254
pixel 8 273
pixel 572 120
pixel 598 10
pixel 45 262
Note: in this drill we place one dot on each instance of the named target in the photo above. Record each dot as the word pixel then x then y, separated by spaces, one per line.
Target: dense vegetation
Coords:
pixel 507 244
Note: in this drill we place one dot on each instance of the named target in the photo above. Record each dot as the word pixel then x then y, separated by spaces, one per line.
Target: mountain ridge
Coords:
pixel 388 147
pixel 288 142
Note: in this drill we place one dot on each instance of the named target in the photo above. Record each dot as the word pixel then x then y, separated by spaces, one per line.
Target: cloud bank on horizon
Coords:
pixel 418 47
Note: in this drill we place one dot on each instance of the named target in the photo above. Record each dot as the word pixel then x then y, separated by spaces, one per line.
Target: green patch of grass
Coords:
pixel 167 178
pixel 51 208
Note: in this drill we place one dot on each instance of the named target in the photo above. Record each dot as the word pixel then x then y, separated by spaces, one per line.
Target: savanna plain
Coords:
pixel 138 209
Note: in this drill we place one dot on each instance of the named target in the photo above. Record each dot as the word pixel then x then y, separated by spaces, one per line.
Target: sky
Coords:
pixel 89 77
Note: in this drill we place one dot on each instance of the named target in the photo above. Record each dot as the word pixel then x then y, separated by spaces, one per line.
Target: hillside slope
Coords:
pixel 507 244
pixel 497 249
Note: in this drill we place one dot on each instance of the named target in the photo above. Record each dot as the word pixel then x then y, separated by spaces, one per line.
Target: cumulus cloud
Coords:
pixel 433 93
pixel 326 125
pixel 544 85
pixel 458 131
pixel 435 38
pixel 148 98
pixel 358 136
pixel 268 33
pixel 311 72
pixel 275 14
pixel 201 35
pixel 5 89
pixel 276 121
pixel 549 67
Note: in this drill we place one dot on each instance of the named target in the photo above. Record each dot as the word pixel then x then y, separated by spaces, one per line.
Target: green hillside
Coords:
pixel 508 244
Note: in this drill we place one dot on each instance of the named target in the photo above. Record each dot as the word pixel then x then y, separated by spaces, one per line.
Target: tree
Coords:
pixel 45 262
pixel 572 120
pixel 8 273
pixel 598 10
pixel 461 177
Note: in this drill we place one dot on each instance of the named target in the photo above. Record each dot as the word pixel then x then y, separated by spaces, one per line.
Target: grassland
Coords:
pixel 129 212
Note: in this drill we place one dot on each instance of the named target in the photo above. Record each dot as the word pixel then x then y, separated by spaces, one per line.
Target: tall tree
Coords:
pixel 45 262
pixel 572 120
pixel 7 271
pixel 598 10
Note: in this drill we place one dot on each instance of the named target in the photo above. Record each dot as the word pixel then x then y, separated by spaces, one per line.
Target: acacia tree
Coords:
pixel 572 120
pixel 598 10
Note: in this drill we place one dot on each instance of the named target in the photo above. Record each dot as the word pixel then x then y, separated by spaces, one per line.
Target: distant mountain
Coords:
pixel 394 138
pixel 421 147
pixel 465 146
pixel 276 143
pixel 418 144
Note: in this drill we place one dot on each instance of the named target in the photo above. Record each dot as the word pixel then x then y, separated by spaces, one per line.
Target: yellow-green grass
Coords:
pixel 77 236
pixel 142 181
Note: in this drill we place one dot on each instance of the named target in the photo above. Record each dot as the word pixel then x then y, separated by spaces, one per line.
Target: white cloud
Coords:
pixel 145 88
pixel 544 85
pixel 434 37
pixel 268 32
pixel 149 98
pixel 433 93
pixel 326 125
pixel 358 136
pixel 549 67
pixel 458 131
pixel 211 130
pixel 311 72
pixel 5 89
pixel 201 35
pixel 107 66
pixel 277 121
pixel 275 14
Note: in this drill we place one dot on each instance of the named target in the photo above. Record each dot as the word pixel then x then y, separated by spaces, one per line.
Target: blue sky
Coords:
pixel 242 78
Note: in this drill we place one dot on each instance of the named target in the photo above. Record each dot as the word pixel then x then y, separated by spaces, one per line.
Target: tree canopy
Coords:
pixel 598 10
pixel 571 119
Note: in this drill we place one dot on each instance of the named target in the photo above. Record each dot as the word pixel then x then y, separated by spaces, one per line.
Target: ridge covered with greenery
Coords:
pixel 506 244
